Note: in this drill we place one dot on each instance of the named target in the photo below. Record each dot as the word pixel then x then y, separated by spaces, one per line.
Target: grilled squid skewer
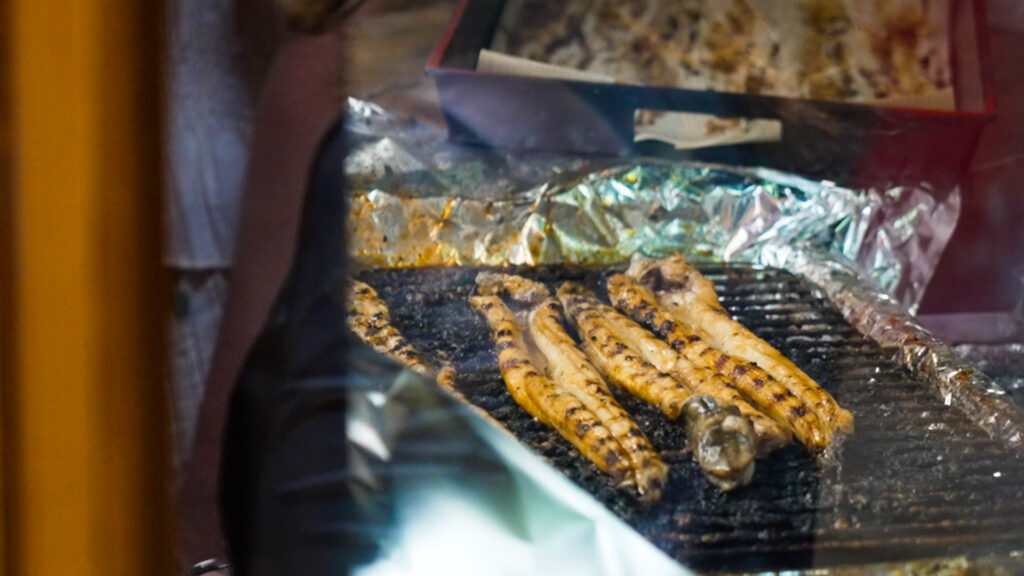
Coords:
pixel 722 441
pixel 692 299
pixel 640 363
pixel 370 320
pixel 555 354
pixel 767 393
pixel 566 365
pixel 616 358
pixel 554 406
pixel 511 286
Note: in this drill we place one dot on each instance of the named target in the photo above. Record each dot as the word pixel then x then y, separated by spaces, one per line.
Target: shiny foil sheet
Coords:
pixel 1004 362
pixel 418 201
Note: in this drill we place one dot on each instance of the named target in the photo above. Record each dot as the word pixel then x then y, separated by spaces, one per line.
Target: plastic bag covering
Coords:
pixel 419 484
pixel 469 499
pixel 417 201
pixel 340 461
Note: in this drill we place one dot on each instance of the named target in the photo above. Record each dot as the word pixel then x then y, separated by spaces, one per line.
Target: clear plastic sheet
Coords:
pixel 417 201
pixel 468 498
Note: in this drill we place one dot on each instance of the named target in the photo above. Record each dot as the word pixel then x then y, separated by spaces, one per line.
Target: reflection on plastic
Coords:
pixel 470 500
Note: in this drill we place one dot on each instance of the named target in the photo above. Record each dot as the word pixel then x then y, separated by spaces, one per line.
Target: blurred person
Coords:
pixel 254 85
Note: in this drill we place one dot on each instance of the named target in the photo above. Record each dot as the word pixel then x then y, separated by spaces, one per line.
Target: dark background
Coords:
pixel 976 271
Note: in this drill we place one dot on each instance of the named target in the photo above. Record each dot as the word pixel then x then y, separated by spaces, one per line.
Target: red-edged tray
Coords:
pixel 852 143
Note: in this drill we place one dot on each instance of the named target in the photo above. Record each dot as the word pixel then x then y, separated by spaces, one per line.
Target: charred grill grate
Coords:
pixel 917 479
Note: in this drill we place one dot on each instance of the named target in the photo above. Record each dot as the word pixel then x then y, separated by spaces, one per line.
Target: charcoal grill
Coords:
pixel 918 479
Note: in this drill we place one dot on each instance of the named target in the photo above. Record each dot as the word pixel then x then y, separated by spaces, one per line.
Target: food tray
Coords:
pixel 916 480
pixel 855 144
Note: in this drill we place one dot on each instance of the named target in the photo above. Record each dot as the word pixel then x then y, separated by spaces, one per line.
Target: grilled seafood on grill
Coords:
pixel 723 442
pixel 569 368
pixel 552 380
pixel 691 299
pixel 370 320
pixel 516 288
pixel 763 390
pixel 646 367
pixel 564 410
pixel 616 358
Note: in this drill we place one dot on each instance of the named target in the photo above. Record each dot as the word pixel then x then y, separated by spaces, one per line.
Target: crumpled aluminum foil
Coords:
pixel 419 202
pixel 880 317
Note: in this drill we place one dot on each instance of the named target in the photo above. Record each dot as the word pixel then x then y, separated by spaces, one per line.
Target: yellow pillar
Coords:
pixel 83 415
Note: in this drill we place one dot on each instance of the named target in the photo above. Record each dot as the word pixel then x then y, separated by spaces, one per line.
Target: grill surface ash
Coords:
pixel 917 479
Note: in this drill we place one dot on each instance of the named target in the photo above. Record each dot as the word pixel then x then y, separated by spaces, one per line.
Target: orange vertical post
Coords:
pixel 84 419
pixel 5 260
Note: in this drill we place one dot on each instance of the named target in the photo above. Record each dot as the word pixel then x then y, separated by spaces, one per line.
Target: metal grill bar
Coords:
pixel 917 478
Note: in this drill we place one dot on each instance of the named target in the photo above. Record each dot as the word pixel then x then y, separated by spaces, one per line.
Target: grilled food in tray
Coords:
pixel 722 440
pixel 654 347
pixel 648 368
pixel 919 478
pixel 370 320
pixel 691 298
pixel 847 50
